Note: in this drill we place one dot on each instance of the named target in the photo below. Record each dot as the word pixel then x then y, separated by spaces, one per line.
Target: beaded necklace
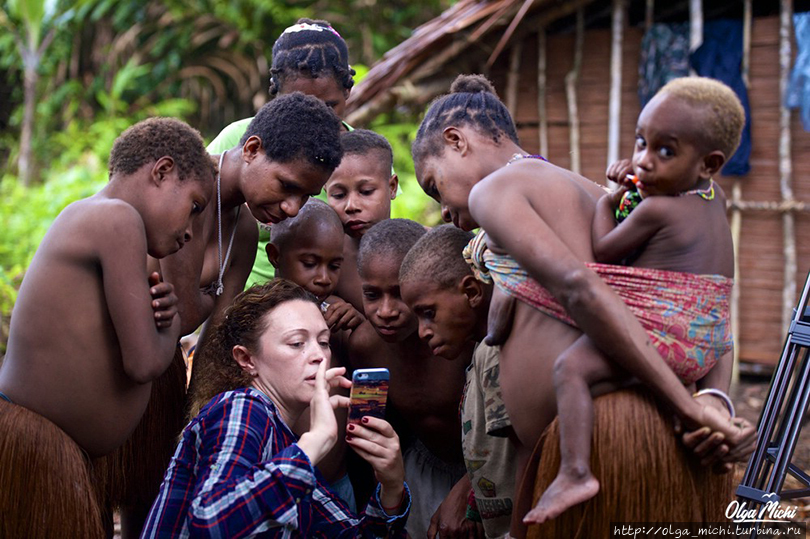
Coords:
pixel 519 156
pixel 705 194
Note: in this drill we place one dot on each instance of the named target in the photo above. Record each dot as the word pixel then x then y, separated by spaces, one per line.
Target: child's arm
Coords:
pixel 146 350
pixel 184 269
pixel 613 243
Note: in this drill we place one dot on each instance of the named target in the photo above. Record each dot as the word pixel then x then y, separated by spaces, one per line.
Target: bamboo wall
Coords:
pixel 761 255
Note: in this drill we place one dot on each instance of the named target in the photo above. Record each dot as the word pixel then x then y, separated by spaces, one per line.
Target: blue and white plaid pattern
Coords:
pixel 228 478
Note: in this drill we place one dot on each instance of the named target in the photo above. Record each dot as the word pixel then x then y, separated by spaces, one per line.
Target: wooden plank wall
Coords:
pixel 761 250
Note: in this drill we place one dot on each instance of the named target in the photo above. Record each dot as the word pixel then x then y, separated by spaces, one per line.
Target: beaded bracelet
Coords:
pixel 720 395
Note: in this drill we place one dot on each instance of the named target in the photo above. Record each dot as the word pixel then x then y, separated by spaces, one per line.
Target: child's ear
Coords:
pixel 252 148
pixel 162 168
pixel 455 139
pixel 272 254
pixel 713 162
pixel 242 356
pixel 473 289
pixel 393 183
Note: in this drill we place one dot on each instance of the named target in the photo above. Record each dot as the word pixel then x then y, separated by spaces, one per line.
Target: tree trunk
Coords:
pixel 25 162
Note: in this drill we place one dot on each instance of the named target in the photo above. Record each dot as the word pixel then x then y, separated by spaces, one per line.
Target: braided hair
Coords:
pixel 310 48
pixel 472 101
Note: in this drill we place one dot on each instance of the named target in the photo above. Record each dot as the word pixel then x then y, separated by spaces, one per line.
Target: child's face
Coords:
pixel 326 88
pixel 382 302
pixel 169 221
pixel 360 191
pixel 448 179
pixel 311 260
pixel 274 191
pixel 446 319
pixel 667 159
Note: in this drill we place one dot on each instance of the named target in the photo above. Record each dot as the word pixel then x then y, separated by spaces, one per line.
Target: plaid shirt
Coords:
pixel 238 472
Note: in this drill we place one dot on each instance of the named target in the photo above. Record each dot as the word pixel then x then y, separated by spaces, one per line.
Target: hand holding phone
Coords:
pixel 369 394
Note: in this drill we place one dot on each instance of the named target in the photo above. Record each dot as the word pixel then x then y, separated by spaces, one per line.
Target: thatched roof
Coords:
pixel 471 34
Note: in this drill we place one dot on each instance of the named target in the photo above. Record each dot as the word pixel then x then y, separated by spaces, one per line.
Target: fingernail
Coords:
pixel 351 427
pixel 364 420
pixel 349 437
pixel 153 290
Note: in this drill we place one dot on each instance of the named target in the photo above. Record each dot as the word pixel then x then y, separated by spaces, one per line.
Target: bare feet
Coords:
pixel 564 492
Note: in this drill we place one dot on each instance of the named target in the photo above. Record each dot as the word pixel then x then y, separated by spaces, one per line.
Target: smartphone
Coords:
pixel 369 394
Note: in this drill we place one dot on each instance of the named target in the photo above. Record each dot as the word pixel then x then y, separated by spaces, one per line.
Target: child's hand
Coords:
pixel 164 301
pixel 341 315
pixel 617 172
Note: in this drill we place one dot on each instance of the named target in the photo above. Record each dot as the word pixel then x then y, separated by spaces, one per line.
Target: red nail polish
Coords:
pixel 351 427
pixel 364 420
pixel 349 437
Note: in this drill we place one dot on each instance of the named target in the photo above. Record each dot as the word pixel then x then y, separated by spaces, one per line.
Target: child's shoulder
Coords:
pixel 99 216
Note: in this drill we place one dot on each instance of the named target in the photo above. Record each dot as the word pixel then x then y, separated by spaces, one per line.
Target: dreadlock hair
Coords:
pixel 391 239
pixel 296 126
pixel 243 324
pixel 472 101
pixel 310 48
pixel 438 257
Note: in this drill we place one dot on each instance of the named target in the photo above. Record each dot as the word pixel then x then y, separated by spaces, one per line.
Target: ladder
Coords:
pixel 781 419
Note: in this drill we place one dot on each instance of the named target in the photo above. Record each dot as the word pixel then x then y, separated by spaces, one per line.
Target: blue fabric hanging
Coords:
pixel 798 90
pixel 664 56
pixel 720 57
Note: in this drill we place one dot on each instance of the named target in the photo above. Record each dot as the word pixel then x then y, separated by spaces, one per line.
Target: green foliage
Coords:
pixel 27 213
pixel 411 203
pixel 112 63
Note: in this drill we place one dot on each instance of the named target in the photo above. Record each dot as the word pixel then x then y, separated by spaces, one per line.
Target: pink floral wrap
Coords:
pixel 686 315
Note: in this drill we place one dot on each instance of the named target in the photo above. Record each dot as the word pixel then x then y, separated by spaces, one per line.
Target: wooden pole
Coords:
pixel 736 213
pixel 615 103
pixel 571 80
pixel 542 115
pixel 513 78
pixel 785 165
pixel 695 24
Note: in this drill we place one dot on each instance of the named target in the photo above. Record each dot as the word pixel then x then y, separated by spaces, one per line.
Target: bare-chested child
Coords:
pixel 683 137
pixel 425 390
pixel 451 306
pixel 538 218
pixel 308 250
pixel 91 327
pixel 360 190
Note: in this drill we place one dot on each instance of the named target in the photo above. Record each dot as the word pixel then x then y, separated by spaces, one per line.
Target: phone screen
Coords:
pixel 369 394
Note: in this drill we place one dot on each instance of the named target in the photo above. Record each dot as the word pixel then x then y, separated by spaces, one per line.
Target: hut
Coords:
pixel 569 73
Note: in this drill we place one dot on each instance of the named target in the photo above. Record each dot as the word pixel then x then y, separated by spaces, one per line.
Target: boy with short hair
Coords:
pixel 91 328
pixel 308 250
pixel 424 390
pixel 451 306
pixel 360 190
